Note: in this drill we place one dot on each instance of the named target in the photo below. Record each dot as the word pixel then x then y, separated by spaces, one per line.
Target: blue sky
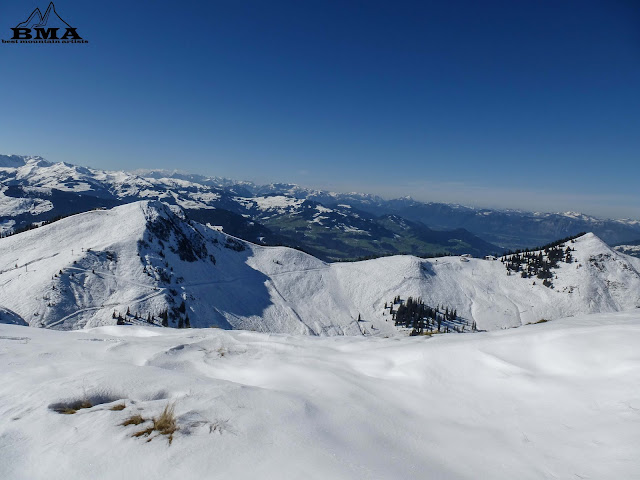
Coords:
pixel 527 104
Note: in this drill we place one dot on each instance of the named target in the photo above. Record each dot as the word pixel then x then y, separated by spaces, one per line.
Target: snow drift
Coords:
pixel 557 400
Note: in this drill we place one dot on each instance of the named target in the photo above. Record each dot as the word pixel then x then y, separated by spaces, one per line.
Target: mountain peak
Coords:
pixel 593 244
pixel 17 161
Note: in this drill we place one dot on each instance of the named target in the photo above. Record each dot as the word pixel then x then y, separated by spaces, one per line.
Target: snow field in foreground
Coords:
pixel 554 400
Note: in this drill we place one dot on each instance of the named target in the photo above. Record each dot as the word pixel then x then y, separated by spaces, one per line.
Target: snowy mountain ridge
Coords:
pixel 148 259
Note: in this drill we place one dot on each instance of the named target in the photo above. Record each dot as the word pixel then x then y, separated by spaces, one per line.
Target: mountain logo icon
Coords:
pixel 45 28
pixel 36 19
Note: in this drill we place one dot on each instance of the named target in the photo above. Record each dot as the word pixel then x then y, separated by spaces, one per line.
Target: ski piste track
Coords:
pixel 161 290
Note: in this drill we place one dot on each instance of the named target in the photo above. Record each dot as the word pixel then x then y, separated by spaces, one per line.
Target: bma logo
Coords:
pixel 47 28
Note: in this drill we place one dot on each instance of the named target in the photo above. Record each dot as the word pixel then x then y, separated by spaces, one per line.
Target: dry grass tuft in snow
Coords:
pixel 136 419
pixel 146 432
pixel 164 424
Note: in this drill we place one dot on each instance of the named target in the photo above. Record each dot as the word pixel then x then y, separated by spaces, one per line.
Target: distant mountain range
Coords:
pixel 34 190
pixel 630 248
pixel 508 229
pixel 331 226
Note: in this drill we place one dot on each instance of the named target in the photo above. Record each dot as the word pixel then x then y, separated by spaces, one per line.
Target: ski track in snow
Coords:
pixel 105 305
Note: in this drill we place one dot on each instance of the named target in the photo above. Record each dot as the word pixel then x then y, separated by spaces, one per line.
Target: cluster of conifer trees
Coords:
pixel 539 263
pixel 163 317
pixel 415 314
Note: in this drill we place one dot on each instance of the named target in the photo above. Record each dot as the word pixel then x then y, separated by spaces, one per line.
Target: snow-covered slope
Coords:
pixel 552 401
pixel 598 280
pixel 145 258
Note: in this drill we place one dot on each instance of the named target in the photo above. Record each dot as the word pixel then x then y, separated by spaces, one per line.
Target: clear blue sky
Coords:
pixel 526 104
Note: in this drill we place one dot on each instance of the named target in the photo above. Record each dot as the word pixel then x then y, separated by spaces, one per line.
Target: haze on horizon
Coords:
pixel 603 206
pixel 529 105
pixel 491 197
